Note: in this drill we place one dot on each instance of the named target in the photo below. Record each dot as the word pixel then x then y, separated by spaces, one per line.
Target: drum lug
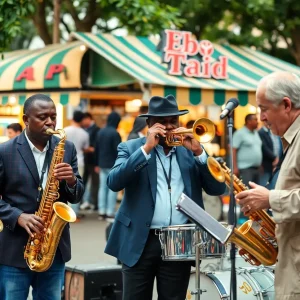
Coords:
pixel 196 292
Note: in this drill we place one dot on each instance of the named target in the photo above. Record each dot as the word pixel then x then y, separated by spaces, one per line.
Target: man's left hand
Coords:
pixel 64 171
pixel 255 199
pixel 189 141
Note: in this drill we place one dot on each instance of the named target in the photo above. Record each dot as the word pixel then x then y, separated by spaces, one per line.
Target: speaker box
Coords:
pixel 93 282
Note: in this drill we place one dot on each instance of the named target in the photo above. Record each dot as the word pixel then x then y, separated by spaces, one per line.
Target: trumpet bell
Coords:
pixel 204 130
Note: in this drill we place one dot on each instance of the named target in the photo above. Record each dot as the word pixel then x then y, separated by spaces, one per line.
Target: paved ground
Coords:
pixel 88 241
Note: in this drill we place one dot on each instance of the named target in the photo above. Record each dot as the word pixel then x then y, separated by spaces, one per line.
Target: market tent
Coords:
pixel 139 58
pixel 27 70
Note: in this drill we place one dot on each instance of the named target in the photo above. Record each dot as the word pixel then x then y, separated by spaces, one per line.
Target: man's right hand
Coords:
pixel 31 223
pixel 153 136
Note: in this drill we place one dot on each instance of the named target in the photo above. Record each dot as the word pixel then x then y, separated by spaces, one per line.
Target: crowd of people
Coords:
pixel 152 175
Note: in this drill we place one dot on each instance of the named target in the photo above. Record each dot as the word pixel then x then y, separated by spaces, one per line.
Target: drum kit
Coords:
pixel 211 280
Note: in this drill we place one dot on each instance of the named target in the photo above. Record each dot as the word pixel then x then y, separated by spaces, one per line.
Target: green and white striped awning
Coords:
pixel 40 61
pixel 139 58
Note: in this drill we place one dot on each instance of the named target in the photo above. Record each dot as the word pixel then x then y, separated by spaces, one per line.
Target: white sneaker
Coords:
pixel 86 205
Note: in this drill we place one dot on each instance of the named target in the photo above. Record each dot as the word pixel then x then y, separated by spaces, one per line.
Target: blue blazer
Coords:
pixel 139 178
pixel 19 181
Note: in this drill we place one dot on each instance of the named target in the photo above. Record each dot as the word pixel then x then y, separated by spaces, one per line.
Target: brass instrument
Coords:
pixel 255 248
pixel 1 225
pixel 40 249
pixel 203 131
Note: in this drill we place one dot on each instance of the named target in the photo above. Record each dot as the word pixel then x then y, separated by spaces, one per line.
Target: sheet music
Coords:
pixel 203 219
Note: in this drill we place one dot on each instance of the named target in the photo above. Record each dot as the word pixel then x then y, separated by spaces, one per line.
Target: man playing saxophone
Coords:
pixel 24 165
pixel 278 97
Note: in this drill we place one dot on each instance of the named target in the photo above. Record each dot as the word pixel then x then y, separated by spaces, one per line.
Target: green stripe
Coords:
pixel 272 60
pixel 243 97
pixel 22 99
pixel 135 50
pixel 56 59
pixel 195 96
pixel 170 90
pixel 219 97
pixel 247 59
pixel 4 100
pixel 21 85
pixel 123 66
pixel 152 47
pixel 64 99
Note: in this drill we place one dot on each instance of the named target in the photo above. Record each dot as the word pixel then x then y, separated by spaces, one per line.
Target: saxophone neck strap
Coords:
pixel 45 165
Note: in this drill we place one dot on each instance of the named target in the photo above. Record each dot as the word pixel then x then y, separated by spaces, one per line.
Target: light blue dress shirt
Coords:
pixel 165 212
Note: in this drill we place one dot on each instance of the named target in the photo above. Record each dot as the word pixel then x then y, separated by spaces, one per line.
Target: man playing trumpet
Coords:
pixel 154 174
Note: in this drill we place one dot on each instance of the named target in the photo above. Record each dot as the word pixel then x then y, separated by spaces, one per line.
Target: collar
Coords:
pixel 33 148
pixel 290 134
pixel 160 149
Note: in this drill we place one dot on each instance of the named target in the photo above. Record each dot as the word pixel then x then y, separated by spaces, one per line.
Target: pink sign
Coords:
pixel 189 57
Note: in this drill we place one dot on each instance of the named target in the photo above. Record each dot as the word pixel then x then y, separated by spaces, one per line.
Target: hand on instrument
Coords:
pixel 64 171
pixel 155 132
pixel 31 223
pixel 255 199
pixel 189 141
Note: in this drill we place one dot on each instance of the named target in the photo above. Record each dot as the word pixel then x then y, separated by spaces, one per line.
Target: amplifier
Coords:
pixel 93 282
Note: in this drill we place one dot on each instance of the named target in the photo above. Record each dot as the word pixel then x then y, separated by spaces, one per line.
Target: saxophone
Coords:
pixel 256 248
pixel 40 249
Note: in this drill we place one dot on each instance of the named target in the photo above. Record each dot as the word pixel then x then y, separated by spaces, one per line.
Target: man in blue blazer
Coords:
pixel 154 175
pixel 21 163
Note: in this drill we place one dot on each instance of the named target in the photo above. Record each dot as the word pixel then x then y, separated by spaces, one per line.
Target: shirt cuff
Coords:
pixel 203 157
pixel 73 188
pixel 147 156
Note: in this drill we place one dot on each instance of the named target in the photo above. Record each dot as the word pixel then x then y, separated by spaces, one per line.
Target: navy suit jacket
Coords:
pixel 138 176
pixel 19 181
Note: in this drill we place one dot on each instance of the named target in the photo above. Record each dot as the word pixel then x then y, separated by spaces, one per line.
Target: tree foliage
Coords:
pixel 11 14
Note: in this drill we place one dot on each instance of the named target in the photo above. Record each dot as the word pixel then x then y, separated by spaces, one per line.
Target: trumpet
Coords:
pixel 203 131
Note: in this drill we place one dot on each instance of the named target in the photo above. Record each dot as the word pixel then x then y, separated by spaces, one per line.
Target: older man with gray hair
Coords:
pixel 278 96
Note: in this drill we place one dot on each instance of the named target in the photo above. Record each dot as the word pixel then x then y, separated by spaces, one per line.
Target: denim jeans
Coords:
pixel 15 282
pixel 106 198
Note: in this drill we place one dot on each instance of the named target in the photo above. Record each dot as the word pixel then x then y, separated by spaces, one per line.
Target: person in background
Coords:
pixel 139 129
pixel 154 176
pixel 107 142
pixel 90 177
pixel 270 158
pixel 80 138
pixel 22 160
pixel 13 130
pixel 278 97
pixel 247 151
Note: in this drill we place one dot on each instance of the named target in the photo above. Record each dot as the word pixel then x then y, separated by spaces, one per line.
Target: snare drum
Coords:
pixel 178 243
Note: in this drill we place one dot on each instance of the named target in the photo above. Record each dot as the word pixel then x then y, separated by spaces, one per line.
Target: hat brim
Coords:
pixel 179 113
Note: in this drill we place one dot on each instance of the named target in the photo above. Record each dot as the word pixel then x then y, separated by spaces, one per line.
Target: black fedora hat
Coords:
pixel 163 107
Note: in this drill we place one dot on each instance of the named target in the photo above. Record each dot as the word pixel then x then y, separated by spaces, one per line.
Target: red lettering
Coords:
pixel 26 74
pixel 175 59
pixel 192 68
pixel 190 45
pixel 206 67
pixel 54 69
pixel 173 39
pixel 219 68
